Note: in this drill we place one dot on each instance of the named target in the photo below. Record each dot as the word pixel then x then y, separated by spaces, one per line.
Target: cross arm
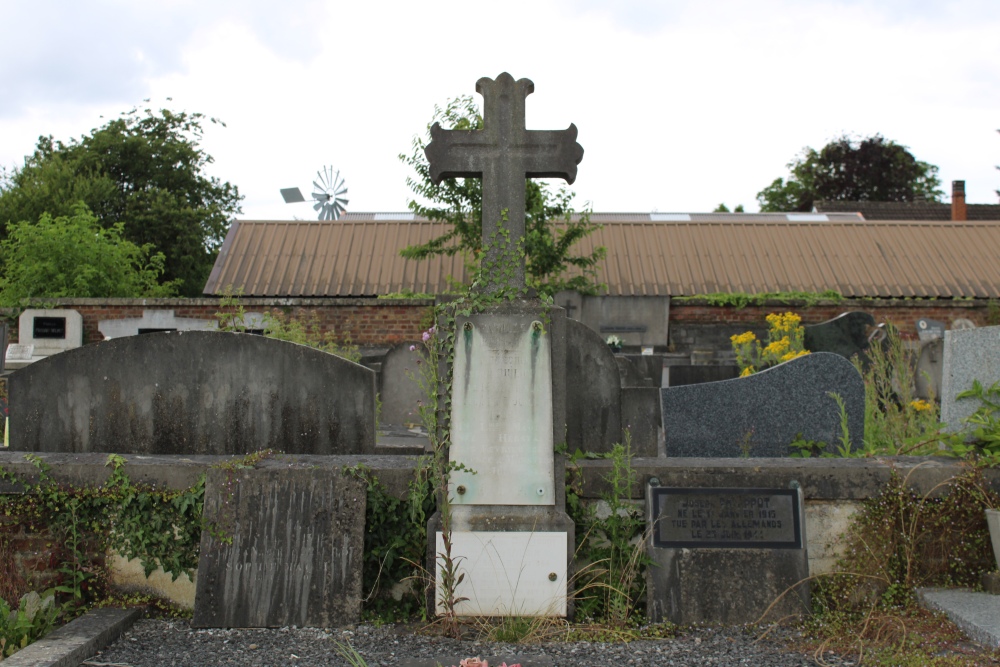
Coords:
pixel 553 154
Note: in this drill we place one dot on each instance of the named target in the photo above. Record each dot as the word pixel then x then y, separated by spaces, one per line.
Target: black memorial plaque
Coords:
pixel 49 327
pixel 691 518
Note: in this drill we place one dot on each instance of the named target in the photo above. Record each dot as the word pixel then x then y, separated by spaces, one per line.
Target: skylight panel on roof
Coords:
pixel 808 217
pixel 395 216
pixel 670 217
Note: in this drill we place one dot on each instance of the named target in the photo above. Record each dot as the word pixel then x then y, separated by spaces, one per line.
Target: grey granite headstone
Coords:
pixel 296 551
pixel 846 334
pixel 195 392
pixel 724 555
pixel 593 391
pixel 762 414
pixel 970 354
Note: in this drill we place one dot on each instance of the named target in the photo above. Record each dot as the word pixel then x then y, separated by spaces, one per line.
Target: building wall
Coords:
pixel 674 326
pixel 365 322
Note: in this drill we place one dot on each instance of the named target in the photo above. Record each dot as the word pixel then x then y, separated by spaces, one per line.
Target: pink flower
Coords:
pixel 413 348
pixel 473 662
pixel 426 336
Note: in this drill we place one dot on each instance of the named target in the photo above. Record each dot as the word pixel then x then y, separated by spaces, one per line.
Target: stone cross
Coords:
pixel 503 154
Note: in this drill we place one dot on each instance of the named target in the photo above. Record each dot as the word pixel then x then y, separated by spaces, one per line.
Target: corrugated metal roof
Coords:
pixel 359 256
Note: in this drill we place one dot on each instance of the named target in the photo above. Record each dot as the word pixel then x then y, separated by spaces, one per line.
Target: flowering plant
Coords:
pixel 785 341
pixel 614 341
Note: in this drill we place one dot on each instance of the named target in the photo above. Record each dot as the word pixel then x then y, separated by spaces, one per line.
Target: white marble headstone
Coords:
pixel 50 330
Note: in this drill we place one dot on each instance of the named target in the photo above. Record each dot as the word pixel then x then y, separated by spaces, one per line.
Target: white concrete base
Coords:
pixel 507 573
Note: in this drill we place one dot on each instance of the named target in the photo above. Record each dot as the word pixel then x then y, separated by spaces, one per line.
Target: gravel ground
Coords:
pixel 159 643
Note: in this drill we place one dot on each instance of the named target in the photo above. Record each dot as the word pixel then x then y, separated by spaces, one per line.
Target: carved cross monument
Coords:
pixel 503 154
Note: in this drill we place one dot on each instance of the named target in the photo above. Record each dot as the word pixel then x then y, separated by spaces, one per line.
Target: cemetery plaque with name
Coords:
pixel 49 327
pixel 20 352
pixel 699 518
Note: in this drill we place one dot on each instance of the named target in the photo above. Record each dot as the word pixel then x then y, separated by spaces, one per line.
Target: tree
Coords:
pixel 722 208
pixel 548 259
pixel 143 171
pixel 73 256
pixel 872 169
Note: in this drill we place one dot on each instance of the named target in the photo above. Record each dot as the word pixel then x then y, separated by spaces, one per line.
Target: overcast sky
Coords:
pixel 680 105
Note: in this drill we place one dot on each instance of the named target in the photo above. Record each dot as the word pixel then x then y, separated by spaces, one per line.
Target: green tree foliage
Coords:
pixel 872 169
pixel 722 208
pixel 143 171
pixel 550 266
pixel 73 256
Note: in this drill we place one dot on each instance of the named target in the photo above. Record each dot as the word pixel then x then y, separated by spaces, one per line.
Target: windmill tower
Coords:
pixel 328 189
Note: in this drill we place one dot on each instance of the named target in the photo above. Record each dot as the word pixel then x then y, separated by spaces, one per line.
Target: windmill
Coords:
pixel 327 190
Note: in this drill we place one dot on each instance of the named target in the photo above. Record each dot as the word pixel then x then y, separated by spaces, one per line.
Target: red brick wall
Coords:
pixel 363 321
pixel 900 312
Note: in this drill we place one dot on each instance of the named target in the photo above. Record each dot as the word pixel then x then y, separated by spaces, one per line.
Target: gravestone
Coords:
pixel 48 331
pixel 158 321
pixel 970 354
pixel 760 415
pixel 511 536
pixel 723 555
pixel 846 334
pixel 928 329
pixel 196 392
pixel 593 391
pixel 399 390
pixel 284 547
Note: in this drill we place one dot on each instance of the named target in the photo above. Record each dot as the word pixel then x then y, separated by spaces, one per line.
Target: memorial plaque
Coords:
pixel 501 422
pixel 49 327
pixel 726 518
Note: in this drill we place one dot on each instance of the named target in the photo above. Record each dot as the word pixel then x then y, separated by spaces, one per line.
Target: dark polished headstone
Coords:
pixel 846 334
pixel 283 546
pixel 503 154
pixel 724 555
pixel 762 414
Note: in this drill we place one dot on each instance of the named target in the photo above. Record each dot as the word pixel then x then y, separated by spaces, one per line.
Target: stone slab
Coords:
pixel 717 584
pixel 593 392
pixel 641 416
pixel 976 614
pixel 969 354
pixel 399 390
pixel 195 392
pixel 520 573
pixel 760 415
pixel 296 550
pixel 846 334
pixel 501 417
pixel 76 641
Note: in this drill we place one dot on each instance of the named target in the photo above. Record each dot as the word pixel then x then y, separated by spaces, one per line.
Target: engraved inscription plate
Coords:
pixel 726 518
pixel 20 352
pixel 501 418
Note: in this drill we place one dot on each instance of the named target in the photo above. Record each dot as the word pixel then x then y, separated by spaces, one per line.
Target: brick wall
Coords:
pixel 366 322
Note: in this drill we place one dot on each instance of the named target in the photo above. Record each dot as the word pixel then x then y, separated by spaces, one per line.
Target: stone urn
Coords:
pixel 993 521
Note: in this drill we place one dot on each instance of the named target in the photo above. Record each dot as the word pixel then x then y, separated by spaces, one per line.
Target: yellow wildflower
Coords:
pixel 743 338
pixel 777 347
pixel 745 372
pixel 794 355
pixel 920 405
